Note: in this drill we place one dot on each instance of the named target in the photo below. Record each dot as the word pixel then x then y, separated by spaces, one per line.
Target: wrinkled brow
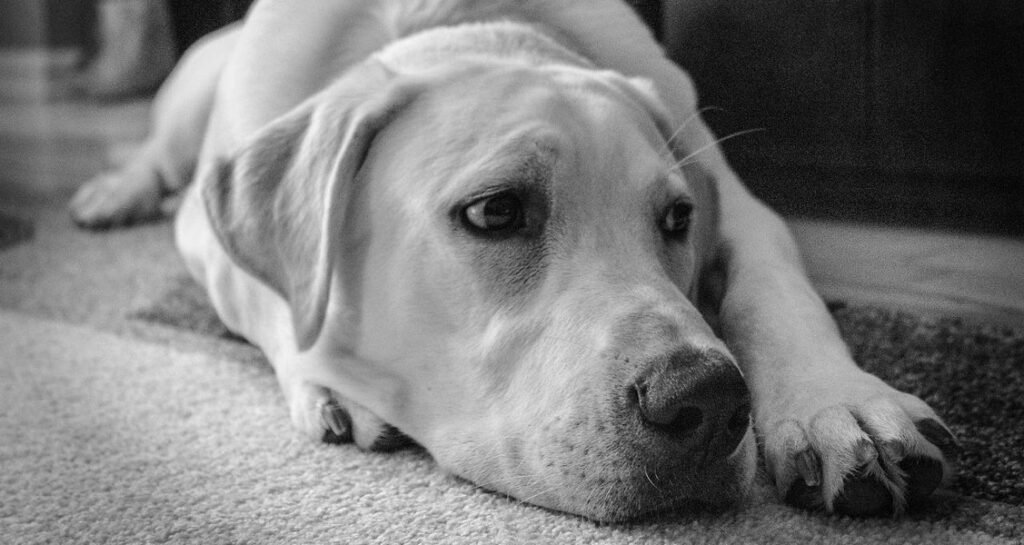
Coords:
pixel 526 163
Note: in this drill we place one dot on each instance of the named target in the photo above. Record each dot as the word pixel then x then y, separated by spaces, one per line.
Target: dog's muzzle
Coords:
pixel 643 434
pixel 690 404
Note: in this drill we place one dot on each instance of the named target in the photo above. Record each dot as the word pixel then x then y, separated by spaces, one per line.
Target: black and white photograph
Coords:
pixel 511 271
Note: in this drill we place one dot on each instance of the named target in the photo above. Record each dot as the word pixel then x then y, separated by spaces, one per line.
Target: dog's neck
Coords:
pixel 512 40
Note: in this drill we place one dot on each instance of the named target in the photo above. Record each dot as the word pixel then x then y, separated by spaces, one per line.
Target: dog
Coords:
pixel 501 229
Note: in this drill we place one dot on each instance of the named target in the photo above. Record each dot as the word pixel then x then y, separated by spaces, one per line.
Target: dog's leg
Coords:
pixel 313 383
pixel 166 160
pixel 324 415
pixel 834 436
pixel 321 391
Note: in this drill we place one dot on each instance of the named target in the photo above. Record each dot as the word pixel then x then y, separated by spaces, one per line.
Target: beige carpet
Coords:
pixel 119 426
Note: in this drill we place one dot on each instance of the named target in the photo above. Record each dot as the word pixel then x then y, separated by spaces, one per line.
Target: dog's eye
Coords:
pixel 677 218
pixel 496 213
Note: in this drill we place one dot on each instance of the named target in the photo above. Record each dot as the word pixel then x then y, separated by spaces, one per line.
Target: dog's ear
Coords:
pixel 278 204
pixel 643 93
pixel 704 231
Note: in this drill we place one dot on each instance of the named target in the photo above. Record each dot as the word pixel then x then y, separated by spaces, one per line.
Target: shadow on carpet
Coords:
pixel 971 374
pixel 13 231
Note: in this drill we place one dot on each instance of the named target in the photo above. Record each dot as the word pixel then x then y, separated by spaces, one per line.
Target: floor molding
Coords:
pixel 933 272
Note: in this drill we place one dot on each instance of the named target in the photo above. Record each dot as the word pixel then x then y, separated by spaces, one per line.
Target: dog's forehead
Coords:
pixel 487 123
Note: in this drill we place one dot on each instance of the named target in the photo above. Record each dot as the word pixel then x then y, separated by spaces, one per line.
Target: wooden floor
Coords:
pixel 49 147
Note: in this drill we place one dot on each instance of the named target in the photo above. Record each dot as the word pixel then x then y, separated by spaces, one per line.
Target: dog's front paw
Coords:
pixel 856 446
pixel 325 416
pixel 113 199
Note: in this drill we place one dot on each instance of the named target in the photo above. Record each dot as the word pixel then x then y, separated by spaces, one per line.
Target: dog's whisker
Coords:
pixel 517 479
pixel 686 160
pixel 601 496
pixel 543 492
pixel 593 492
pixel 668 141
pixel 650 480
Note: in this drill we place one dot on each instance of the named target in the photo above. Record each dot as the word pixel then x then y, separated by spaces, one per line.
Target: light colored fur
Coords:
pixel 335 133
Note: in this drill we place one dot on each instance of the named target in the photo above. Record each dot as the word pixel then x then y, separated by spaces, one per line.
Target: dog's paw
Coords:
pixel 857 447
pixel 111 199
pixel 324 416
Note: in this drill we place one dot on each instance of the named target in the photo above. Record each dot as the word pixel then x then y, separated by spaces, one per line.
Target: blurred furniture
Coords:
pixel 68 23
pixel 894 111
pixel 194 18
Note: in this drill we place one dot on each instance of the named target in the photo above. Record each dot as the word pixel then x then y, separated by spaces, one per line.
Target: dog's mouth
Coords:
pixel 612 484
pixel 620 434
pixel 605 461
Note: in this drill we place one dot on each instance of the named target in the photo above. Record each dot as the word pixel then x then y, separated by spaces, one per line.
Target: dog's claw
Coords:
pixel 861 496
pixel 336 424
pixel 325 416
pixel 808 467
pixel 868 450
pixel 940 436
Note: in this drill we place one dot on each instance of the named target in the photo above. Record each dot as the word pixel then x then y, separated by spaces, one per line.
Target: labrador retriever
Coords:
pixel 502 228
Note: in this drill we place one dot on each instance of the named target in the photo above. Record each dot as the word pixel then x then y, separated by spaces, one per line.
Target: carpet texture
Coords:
pixel 972 375
pixel 13 230
pixel 129 415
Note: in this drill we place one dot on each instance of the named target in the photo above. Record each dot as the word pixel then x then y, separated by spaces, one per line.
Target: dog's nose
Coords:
pixel 696 398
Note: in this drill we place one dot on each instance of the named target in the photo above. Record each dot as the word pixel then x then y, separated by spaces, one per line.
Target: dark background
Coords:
pixel 68 23
pixel 892 111
pixel 896 111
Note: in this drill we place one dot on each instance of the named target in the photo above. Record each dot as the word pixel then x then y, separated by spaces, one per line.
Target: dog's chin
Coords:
pixel 716 486
pixel 620 490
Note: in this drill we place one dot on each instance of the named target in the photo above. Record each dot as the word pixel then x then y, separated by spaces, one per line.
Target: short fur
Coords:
pixel 336 146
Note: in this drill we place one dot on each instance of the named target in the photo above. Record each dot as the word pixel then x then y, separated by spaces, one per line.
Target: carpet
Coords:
pixel 13 230
pixel 128 414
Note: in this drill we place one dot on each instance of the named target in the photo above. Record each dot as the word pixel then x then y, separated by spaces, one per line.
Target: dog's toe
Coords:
pixel 335 423
pixel 861 457
pixel 316 413
pixel 939 435
pixel 860 496
pixel 111 199
pixel 327 417
pixel 370 432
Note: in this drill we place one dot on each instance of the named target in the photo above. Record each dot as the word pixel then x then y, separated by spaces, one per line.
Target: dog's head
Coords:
pixel 512 244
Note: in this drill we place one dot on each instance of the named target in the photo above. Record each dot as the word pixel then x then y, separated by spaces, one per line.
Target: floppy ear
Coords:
pixel 705 228
pixel 278 204
pixel 643 93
